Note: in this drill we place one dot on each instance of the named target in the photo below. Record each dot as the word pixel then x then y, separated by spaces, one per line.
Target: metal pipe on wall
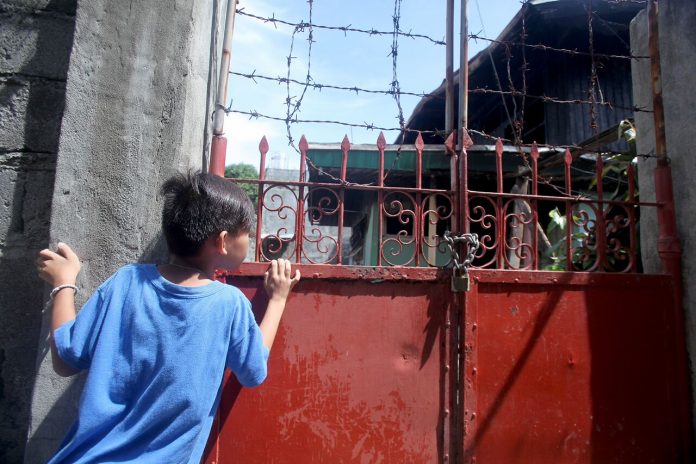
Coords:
pixel 218 149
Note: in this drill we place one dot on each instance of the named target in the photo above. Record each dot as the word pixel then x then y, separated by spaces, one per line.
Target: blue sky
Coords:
pixel 350 59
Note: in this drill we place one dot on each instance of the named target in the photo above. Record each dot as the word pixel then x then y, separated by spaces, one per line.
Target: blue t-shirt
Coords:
pixel 156 354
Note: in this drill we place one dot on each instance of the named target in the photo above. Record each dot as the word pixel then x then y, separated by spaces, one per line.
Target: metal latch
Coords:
pixel 460 269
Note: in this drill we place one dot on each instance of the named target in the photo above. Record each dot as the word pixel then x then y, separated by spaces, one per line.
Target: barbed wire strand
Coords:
pixel 636 2
pixel 435 132
pixel 395 86
pixel 593 72
pixel 556 49
pixel 525 7
pixel 482 90
pixel 290 113
pixel 495 70
pixel 319 86
pixel 293 108
pixel 345 29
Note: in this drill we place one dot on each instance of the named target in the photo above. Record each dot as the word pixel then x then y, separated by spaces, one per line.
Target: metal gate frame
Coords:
pixel 492 215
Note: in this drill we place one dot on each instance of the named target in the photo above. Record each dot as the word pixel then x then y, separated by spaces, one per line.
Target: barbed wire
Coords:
pixel 320 86
pixel 395 86
pixel 523 37
pixel 593 73
pixel 293 108
pixel 293 103
pixel 292 112
pixel 345 29
pixel 253 114
pixel 636 2
pixel 556 49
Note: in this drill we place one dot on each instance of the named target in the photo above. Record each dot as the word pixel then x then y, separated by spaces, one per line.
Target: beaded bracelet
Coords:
pixel 61 287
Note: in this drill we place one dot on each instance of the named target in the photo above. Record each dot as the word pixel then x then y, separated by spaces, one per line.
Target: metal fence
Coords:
pixel 378 206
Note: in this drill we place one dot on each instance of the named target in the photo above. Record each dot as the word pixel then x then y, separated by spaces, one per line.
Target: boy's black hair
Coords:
pixel 198 206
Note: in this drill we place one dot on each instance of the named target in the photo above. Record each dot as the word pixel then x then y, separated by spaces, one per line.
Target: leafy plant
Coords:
pixel 615 169
pixel 244 171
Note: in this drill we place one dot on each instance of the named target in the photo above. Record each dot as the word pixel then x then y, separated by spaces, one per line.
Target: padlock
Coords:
pixel 460 281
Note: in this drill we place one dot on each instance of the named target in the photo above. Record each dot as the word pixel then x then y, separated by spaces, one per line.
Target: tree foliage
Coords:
pixel 244 171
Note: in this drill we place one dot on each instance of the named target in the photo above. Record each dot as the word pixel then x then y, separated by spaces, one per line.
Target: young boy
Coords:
pixel 156 339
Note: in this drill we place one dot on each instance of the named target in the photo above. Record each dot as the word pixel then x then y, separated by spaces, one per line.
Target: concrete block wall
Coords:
pixel 677 31
pixel 137 102
pixel 35 42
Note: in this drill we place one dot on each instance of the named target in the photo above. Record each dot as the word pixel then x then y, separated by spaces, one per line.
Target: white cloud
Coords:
pixel 243 137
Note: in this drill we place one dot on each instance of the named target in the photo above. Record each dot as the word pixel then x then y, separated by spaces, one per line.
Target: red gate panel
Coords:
pixel 358 373
pixel 565 368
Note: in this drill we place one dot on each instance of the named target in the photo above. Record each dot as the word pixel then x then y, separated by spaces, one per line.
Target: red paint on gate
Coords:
pixel 359 372
pixel 553 367
pixel 570 371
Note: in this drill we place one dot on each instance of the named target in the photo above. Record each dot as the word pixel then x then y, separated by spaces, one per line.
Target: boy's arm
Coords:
pixel 60 268
pixel 278 285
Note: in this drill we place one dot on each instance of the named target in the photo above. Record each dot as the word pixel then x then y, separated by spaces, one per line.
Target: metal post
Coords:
pixel 463 72
pixel 218 149
pixel 668 245
pixel 449 69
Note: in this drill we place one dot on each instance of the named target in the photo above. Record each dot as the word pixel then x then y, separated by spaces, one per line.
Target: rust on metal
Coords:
pixel 374 274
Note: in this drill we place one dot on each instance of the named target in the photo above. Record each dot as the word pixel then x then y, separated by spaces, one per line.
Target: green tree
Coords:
pixel 244 171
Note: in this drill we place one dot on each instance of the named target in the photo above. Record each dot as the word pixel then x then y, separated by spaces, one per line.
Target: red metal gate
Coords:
pixel 384 363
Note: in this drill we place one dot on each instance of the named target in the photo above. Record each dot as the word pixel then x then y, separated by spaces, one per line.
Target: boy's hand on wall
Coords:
pixel 60 267
pixel 278 281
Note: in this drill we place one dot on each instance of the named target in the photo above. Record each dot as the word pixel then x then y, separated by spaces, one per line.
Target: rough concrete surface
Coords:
pixel 135 113
pixel 677 29
pixel 35 43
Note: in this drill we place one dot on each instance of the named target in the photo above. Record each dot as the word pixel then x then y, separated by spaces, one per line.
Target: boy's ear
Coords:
pixel 221 242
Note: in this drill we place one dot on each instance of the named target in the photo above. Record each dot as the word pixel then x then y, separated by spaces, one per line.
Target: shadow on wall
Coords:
pixel 37 45
pixel 156 251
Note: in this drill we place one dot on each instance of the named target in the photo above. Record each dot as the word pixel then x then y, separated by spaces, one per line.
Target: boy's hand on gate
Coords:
pixel 60 267
pixel 278 281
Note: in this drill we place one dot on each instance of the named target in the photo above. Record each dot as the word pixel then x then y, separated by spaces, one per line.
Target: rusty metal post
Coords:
pixel 218 149
pixel 218 153
pixel 464 70
pixel 449 69
pixel 263 150
pixel 668 245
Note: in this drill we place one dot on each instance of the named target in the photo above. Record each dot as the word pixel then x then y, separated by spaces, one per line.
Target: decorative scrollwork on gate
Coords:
pixel 484 220
pixel 620 257
pixel 281 202
pixel 584 250
pixel 325 202
pixel 400 248
pixel 519 224
pixel 437 211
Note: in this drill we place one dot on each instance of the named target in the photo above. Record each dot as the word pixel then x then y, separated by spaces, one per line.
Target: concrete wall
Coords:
pixel 135 112
pixel 35 41
pixel 677 29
